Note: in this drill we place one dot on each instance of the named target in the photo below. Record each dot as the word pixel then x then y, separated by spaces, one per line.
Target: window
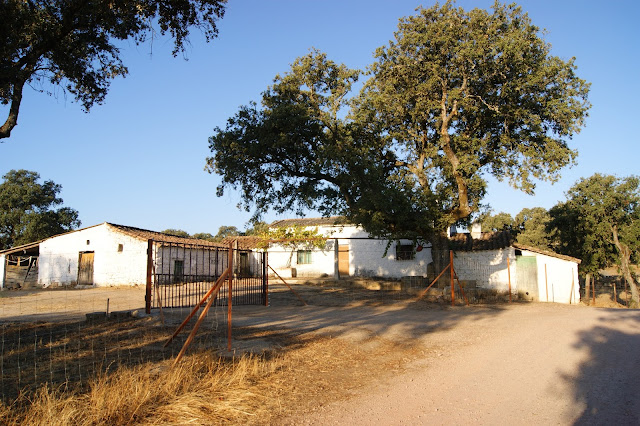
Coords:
pixel 405 252
pixel 120 247
pixel 178 271
pixel 304 257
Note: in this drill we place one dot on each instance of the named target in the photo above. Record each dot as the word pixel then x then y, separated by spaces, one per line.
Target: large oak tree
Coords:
pixel 29 210
pixel 72 43
pixel 454 97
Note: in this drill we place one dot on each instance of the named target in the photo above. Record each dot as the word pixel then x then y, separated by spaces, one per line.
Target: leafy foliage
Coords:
pixel 226 231
pixel 176 232
pixel 204 236
pixel 532 227
pixel 499 222
pixel 600 223
pixel 72 43
pixel 27 209
pixel 454 97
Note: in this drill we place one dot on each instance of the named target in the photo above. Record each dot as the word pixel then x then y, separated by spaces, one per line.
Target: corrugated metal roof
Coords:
pixel 25 248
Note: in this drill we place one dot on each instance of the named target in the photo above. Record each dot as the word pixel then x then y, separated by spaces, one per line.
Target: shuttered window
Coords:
pixel 304 257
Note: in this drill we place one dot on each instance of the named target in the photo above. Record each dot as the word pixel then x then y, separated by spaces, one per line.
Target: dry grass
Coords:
pixel 200 388
pixel 206 389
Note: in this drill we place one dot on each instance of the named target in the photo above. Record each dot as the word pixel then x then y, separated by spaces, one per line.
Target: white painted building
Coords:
pixel 492 262
pixel 349 251
pixel 480 260
pixel 114 255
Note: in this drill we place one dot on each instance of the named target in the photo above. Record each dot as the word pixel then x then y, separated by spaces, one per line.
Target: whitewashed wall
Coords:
pixel 555 281
pixel 366 257
pixel 488 268
pixel 197 262
pixel 59 258
pixel 3 263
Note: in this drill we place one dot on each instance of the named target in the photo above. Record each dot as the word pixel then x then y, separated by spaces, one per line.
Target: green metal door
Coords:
pixel 527 275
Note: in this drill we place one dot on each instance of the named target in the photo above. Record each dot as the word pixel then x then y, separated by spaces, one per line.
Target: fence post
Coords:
pixel 546 283
pixel 265 277
pixel 453 297
pixel 509 275
pixel 147 297
pixel 230 297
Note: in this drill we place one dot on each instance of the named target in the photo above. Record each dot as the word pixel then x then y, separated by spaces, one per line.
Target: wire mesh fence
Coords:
pixel 63 338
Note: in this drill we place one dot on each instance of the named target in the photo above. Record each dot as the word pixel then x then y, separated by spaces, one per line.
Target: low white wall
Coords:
pixel 488 268
pixel 59 258
pixel 3 263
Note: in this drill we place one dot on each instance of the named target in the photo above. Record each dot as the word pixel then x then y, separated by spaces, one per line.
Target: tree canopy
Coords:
pixel 600 223
pixel 28 210
pixel 176 232
pixel 532 227
pixel 496 222
pixel 72 43
pixel 454 97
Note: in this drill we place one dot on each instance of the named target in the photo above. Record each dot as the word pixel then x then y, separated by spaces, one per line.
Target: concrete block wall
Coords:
pixel 488 268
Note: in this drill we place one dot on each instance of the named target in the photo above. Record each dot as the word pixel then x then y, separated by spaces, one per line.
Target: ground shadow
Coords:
pixel 606 386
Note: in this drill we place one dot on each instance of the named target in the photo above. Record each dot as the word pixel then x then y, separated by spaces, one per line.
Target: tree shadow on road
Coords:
pixel 607 384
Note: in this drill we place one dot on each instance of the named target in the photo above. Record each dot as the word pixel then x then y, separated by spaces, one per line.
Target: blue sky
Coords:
pixel 139 158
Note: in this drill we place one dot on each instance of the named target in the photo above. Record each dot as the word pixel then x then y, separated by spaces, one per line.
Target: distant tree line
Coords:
pixel 258 228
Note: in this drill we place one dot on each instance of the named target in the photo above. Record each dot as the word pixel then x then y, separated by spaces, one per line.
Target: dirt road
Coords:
pixel 508 364
pixel 518 363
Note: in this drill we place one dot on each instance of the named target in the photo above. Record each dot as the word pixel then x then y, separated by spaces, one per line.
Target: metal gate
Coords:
pixel 181 274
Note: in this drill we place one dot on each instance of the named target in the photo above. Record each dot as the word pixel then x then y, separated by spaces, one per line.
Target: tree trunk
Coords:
pixel 587 287
pixel 625 255
pixel 440 256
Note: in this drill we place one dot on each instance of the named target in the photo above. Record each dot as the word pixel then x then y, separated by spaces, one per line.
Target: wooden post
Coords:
pixel 230 294
pixel 147 297
pixel 453 296
pixel 213 292
pixel 546 283
pixel 423 292
pixel 572 283
pixel 509 276
pixel 615 295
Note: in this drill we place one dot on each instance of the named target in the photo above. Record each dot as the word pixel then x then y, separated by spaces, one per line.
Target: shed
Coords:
pixel 534 273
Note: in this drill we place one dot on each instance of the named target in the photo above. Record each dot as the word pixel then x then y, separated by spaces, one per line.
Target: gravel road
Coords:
pixel 520 364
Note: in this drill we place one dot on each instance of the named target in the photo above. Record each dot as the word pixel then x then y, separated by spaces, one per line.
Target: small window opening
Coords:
pixel 178 271
pixel 120 247
pixel 88 242
pixel 304 257
pixel 405 252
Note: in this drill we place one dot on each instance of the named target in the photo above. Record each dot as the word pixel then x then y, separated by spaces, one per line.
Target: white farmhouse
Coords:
pixel 106 255
pixel 349 251
pixel 484 261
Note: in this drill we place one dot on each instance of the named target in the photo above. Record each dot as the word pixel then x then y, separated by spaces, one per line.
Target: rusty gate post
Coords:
pixel 147 297
pixel 453 297
pixel 230 296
